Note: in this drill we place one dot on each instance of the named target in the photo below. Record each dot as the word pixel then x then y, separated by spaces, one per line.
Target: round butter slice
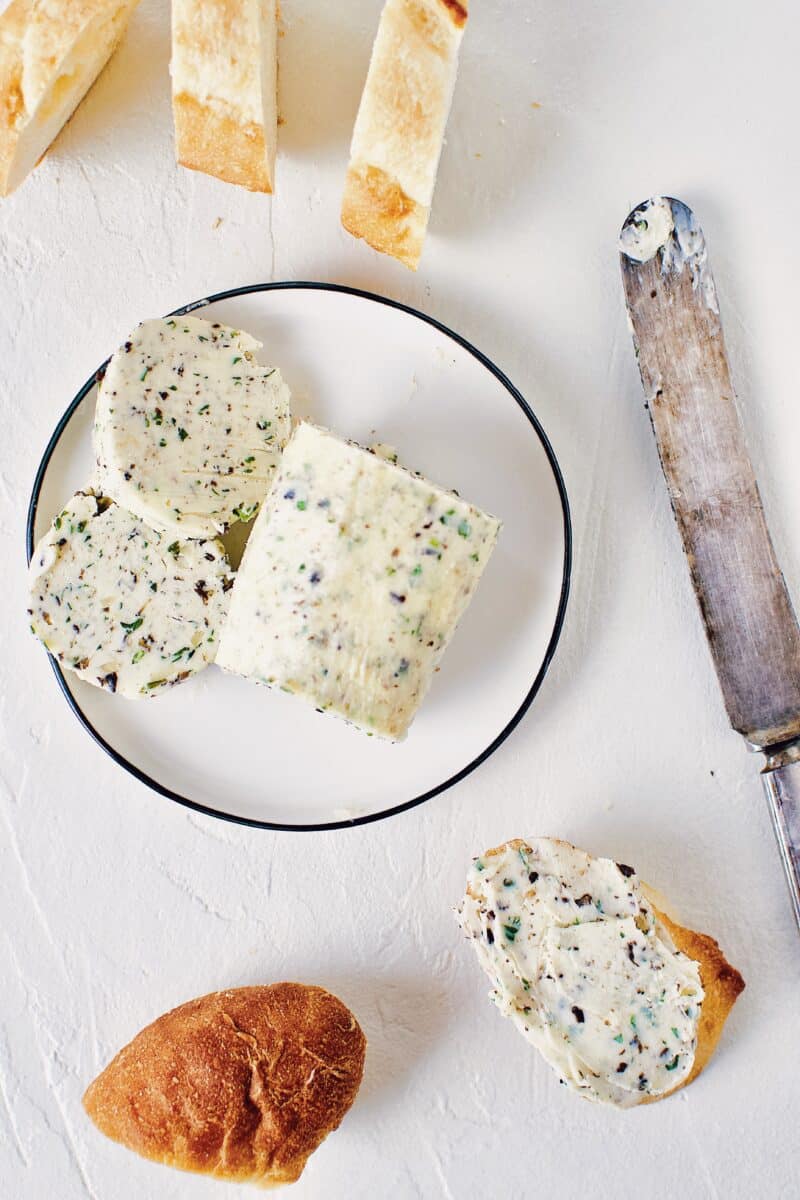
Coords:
pixel 581 965
pixel 189 428
pixel 125 607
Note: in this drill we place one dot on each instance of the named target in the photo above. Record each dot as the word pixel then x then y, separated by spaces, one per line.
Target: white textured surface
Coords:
pixel 116 904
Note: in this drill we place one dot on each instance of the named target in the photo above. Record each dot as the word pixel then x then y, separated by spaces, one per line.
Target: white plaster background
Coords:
pixel 117 905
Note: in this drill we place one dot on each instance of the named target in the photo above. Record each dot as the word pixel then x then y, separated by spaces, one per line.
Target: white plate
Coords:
pixel 371 370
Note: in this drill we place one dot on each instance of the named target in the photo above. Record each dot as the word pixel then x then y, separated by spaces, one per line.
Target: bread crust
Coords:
pixel 722 985
pixel 721 982
pixel 216 144
pixel 399 131
pixel 242 1084
pixel 376 208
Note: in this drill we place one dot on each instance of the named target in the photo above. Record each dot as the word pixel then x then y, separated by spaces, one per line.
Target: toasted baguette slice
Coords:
pixel 224 89
pixel 51 52
pixel 242 1085
pixel 399 130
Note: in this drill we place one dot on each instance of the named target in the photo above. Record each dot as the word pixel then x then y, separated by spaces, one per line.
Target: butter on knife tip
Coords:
pixel 668 227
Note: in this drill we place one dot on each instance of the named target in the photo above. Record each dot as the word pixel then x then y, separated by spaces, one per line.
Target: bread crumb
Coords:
pixel 535 104
pixel 217 223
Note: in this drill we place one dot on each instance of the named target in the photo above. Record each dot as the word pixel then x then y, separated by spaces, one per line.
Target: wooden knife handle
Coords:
pixel 782 784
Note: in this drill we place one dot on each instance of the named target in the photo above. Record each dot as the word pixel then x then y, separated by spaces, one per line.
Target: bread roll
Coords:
pixel 399 131
pixel 242 1085
pixel 623 1003
pixel 51 52
pixel 224 89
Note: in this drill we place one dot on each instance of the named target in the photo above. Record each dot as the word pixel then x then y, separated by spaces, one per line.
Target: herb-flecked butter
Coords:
pixel 353 581
pixel 189 427
pixel 122 605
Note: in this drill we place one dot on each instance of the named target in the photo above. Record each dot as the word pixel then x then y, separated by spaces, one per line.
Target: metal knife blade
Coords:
pixel 749 621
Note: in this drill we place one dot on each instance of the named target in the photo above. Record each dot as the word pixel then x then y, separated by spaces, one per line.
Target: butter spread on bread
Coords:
pixel 352 583
pixel 224 89
pixel 610 992
pixel 188 426
pixel 399 131
pixel 123 606
pixel 243 1085
pixel 51 52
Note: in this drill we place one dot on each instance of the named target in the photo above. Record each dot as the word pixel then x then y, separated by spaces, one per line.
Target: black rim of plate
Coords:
pixel 253 822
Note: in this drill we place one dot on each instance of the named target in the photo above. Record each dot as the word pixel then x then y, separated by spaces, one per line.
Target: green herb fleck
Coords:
pixel 144 375
pixel 182 434
pixel 302 505
pixel 511 928
pixel 618 1038
pixel 130 626
pixel 174 549
pixel 672 1065
pixel 245 512
pixel 238 358
pixel 204 409
pixel 464 529
pixel 139 655
pixel 417 570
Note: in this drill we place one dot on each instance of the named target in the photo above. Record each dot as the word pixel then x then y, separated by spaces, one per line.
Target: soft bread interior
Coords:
pixel 56 64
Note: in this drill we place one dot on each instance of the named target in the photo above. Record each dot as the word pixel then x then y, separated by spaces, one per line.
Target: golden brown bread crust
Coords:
pixel 242 1084
pixel 376 208
pixel 210 141
pixel 721 982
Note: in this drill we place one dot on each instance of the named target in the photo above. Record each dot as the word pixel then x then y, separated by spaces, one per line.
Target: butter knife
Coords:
pixel 748 617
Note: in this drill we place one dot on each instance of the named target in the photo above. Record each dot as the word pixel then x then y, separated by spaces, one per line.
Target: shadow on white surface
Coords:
pixel 323 55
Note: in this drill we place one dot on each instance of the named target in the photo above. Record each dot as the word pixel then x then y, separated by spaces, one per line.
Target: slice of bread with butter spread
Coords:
pixel 625 1005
